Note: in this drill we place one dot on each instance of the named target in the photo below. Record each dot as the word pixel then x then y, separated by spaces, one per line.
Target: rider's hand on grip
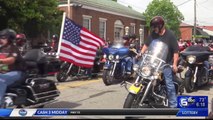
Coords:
pixel 175 68
pixel 138 55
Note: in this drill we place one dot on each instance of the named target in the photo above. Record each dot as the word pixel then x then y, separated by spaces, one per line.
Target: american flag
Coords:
pixel 78 45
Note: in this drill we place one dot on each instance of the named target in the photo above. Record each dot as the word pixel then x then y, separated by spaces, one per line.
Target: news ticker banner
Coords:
pixel 187 106
pixel 192 105
pixel 66 112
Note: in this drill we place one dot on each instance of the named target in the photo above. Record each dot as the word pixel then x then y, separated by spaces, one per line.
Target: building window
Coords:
pixel 132 28
pixel 102 28
pixel 87 22
pixel 118 30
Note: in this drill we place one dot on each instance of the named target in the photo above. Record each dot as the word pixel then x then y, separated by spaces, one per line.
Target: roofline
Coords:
pixel 105 11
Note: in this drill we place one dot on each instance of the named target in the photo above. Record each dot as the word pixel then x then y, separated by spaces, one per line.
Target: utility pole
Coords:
pixel 195 20
pixel 68 6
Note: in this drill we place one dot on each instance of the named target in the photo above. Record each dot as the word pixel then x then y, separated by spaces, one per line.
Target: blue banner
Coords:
pixel 193 112
pixel 192 101
pixel 5 112
pixel 52 112
pixel 192 105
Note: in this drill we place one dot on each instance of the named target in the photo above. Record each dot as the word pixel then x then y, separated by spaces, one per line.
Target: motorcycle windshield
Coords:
pixel 156 54
pixel 118 44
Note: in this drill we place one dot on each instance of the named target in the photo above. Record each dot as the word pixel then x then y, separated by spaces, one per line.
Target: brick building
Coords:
pixel 187 32
pixel 105 18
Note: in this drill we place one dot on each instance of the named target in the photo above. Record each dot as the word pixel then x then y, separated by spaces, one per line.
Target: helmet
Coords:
pixel 55 37
pixel 20 39
pixel 20 36
pixel 126 37
pixel 158 22
pixel 9 34
pixel 199 41
pixel 133 36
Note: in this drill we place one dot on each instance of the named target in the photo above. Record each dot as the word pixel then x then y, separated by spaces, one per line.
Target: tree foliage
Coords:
pixel 32 17
pixel 168 11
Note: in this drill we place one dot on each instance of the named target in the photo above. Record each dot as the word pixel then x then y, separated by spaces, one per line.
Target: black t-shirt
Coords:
pixel 12 51
pixel 169 39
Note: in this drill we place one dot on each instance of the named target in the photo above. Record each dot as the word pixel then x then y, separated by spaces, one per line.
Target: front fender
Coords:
pixel 189 72
pixel 108 65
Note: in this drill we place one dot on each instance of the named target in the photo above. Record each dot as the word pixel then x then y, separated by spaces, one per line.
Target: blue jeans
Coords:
pixel 207 64
pixel 171 92
pixel 6 80
pixel 129 63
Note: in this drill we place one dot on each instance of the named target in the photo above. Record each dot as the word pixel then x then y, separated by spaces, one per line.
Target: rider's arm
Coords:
pixel 8 61
pixel 11 58
pixel 176 58
pixel 144 49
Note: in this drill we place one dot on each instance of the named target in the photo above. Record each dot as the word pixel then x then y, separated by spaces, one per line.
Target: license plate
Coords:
pixel 133 89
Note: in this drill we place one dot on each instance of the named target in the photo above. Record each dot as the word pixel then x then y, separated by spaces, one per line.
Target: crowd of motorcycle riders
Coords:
pixel 14 45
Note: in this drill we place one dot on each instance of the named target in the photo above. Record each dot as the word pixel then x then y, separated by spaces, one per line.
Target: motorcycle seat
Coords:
pixel 31 64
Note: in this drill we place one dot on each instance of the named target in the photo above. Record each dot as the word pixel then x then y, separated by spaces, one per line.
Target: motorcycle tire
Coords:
pixel 62 75
pixel 189 85
pixel 106 77
pixel 129 100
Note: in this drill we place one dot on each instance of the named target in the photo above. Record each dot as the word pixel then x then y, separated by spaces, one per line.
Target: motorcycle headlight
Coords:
pixel 146 71
pixel 104 56
pixel 191 59
pixel 111 57
pixel 117 57
pixel 135 67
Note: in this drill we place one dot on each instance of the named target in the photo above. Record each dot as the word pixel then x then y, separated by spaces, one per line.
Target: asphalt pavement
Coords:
pixel 93 94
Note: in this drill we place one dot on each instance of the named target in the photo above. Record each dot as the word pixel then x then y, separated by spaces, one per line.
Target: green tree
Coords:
pixel 168 11
pixel 32 17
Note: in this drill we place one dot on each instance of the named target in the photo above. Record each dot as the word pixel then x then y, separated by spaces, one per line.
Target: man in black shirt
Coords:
pixel 10 62
pixel 160 32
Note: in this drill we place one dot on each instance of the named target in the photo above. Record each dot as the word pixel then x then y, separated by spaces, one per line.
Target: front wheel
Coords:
pixel 189 84
pixel 107 79
pixel 133 101
pixel 129 100
pixel 63 74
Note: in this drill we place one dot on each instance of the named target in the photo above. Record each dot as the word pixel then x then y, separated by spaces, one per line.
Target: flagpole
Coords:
pixel 61 34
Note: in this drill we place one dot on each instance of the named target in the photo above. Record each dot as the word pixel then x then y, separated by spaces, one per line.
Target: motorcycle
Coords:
pixel 149 88
pixel 69 69
pixel 114 69
pixel 32 90
pixel 198 73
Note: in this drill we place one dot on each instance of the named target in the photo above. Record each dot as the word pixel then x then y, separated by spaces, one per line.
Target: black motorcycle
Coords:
pixel 70 70
pixel 198 73
pixel 149 88
pixel 33 90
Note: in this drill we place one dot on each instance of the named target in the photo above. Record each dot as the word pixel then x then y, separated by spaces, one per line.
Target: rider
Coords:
pixel 128 59
pixel 200 47
pixel 54 43
pixel 21 42
pixel 133 47
pixel 159 31
pixel 10 61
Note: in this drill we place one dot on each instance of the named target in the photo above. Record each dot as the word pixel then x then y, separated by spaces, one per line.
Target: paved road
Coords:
pixel 93 94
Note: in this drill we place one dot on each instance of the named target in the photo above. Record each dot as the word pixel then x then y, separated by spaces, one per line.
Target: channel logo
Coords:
pixel 22 112
pixel 186 101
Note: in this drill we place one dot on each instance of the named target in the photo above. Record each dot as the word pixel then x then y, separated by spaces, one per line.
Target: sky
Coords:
pixel 204 9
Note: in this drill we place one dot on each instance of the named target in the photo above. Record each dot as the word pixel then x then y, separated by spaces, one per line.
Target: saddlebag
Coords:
pixel 42 89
